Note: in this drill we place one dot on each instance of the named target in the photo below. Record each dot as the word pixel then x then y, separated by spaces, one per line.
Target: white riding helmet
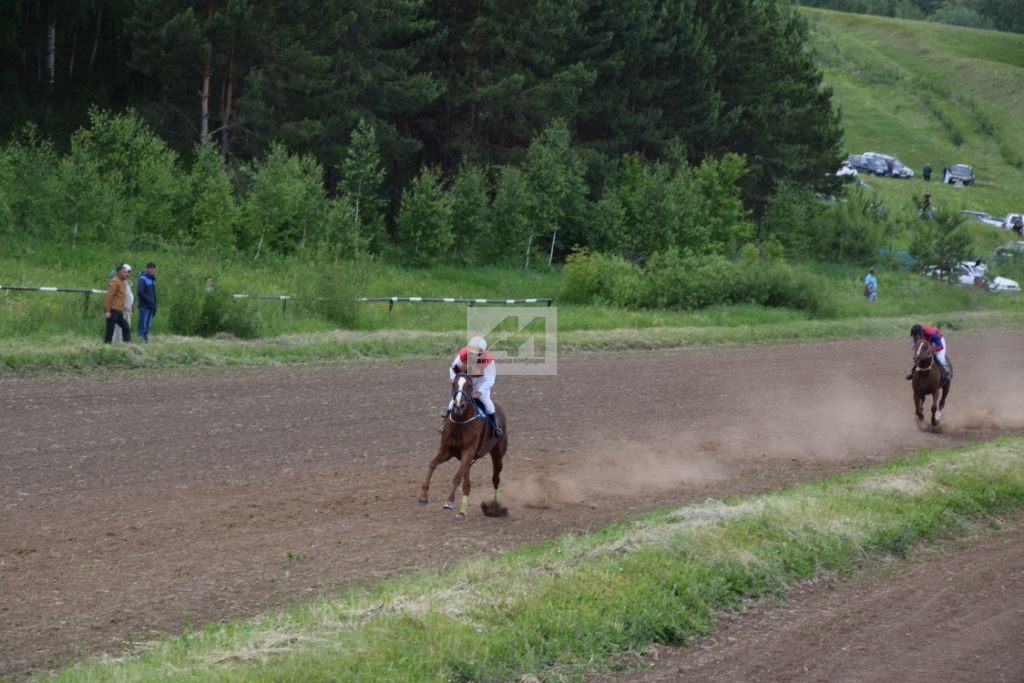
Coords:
pixel 477 345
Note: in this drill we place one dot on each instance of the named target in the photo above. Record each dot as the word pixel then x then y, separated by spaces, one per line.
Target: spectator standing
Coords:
pixel 113 304
pixel 147 300
pixel 927 173
pixel 129 306
pixel 945 175
pixel 871 286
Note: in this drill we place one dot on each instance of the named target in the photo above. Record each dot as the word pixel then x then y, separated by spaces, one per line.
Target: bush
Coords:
pixel 198 309
pixel 603 279
pixel 673 280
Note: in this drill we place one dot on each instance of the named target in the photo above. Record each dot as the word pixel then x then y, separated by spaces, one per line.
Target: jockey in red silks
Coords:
pixel 937 341
pixel 476 361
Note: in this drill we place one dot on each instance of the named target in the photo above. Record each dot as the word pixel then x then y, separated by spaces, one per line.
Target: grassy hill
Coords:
pixel 930 93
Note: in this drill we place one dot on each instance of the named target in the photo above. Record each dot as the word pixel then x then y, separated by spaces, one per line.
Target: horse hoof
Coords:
pixel 459 517
pixel 422 501
pixel 447 505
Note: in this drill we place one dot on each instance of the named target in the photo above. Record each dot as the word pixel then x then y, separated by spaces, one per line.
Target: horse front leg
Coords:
pixel 461 477
pixel 919 406
pixel 438 459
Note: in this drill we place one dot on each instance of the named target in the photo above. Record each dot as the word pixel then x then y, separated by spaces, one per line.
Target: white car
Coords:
pixel 1013 221
pixel 983 217
pixel 975 274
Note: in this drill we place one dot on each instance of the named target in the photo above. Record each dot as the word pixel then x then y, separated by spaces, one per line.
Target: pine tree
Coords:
pixel 555 173
pixel 360 186
pixel 471 220
pixel 210 202
pixel 424 221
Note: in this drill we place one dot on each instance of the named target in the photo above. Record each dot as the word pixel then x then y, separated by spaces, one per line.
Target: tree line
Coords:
pixel 455 95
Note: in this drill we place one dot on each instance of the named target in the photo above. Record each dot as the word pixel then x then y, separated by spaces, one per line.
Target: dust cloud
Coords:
pixel 814 413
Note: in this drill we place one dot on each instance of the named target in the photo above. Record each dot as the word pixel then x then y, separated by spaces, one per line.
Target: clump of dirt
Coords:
pixel 493 508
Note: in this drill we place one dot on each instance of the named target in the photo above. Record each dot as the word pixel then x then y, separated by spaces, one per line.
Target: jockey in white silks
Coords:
pixel 476 361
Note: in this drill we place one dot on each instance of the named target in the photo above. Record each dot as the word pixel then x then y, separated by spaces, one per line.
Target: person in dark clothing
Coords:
pixel 113 304
pixel 927 172
pixel 145 290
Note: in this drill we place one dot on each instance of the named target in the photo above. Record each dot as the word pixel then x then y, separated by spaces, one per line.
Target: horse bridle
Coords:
pixel 919 356
pixel 469 402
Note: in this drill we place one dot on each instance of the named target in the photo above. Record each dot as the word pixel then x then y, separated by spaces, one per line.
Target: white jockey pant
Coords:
pixel 483 385
pixel 941 355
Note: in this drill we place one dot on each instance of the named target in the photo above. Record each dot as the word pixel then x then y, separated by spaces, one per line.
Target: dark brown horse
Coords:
pixel 468 436
pixel 928 380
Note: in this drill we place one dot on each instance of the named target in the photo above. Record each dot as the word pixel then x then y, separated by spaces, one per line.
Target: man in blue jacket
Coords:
pixel 145 290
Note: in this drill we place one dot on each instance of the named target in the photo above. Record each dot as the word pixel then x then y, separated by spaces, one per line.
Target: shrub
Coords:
pixel 602 279
pixel 675 280
pixel 198 309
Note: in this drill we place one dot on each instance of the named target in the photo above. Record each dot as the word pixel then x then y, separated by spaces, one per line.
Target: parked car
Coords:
pixel 962 173
pixel 899 169
pixel 872 164
pixel 1014 221
pixel 983 217
pixel 975 274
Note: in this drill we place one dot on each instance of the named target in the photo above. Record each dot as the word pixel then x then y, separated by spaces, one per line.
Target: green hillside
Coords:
pixel 929 93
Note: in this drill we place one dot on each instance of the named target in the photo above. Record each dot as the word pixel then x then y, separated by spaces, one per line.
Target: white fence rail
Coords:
pixel 285 298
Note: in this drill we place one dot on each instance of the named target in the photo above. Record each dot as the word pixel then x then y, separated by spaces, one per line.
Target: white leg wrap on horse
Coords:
pixel 464 505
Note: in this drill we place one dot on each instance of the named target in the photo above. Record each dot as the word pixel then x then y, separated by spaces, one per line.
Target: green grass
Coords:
pixel 44 331
pixel 576 604
pixel 931 93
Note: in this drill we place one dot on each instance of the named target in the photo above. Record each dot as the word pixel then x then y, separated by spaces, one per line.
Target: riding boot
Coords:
pixel 492 420
pixel 910 375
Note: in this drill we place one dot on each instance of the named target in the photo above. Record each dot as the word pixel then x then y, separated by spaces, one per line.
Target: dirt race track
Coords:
pixel 136 504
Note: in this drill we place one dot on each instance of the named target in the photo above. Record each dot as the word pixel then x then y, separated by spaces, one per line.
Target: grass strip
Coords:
pixel 75 353
pixel 575 604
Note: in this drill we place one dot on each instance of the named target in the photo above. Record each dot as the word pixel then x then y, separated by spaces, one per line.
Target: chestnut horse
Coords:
pixel 468 436
pixel 928 380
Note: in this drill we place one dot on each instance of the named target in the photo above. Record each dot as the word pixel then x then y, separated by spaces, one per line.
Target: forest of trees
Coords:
pixel 1002 15
pixel 466 128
